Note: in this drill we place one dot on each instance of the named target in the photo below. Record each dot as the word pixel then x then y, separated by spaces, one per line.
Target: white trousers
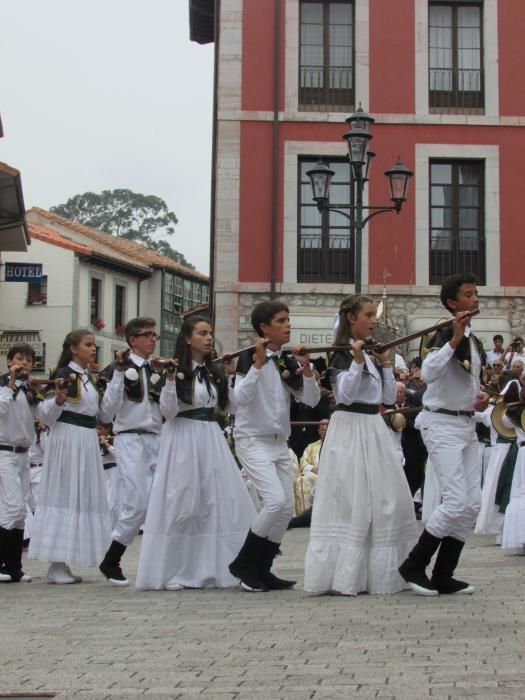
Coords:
pixel 267 463
pixel 136 460
pixel 35 474
pixel 14 489
pixel 454 450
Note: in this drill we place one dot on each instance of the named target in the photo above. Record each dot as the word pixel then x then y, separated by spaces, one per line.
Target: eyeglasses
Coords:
pixel 148 334
pixel 495 365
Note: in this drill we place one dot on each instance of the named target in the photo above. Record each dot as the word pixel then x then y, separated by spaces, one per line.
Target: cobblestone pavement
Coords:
pixel 94 641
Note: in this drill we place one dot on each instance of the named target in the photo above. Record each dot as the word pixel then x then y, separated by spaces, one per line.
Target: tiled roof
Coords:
pixel 140 252
pixel 49 235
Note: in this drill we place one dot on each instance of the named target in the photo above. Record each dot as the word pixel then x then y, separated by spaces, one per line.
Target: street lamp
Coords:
pixel 360 158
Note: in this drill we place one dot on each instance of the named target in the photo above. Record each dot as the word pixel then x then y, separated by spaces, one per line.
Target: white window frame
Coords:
pixel 489 58
pixel 490 154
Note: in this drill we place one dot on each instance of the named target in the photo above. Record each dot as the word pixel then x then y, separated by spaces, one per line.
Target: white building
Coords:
pixel 91 279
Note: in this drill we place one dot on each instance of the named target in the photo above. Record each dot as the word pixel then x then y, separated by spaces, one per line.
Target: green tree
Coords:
pixel 138 217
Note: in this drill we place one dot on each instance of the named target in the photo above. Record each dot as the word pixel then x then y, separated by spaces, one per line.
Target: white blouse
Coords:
pixel 88 405
pixel 362 383
pixel 170 405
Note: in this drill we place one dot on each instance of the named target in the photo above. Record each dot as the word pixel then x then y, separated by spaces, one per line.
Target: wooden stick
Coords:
pixel 381 347
pixel 230 355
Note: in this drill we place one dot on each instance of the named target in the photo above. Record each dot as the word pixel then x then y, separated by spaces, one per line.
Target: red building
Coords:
pixel 441 79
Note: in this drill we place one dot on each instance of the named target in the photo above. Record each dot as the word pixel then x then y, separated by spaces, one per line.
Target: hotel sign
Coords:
pixel 23 272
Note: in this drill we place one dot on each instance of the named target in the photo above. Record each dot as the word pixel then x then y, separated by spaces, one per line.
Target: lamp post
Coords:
pixel 360 158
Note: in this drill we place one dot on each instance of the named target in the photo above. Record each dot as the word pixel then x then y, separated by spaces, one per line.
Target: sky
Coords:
pixel 107 94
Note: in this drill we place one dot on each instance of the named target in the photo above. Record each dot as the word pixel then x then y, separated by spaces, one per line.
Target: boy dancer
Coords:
pixel 16 437
pixel 136 418
pixel 451 371
pixel 261 402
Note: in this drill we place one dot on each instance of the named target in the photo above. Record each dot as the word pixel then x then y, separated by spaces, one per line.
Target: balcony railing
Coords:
pixel 319 261
pixel 323 89
pixel 444 263
pixel 456 91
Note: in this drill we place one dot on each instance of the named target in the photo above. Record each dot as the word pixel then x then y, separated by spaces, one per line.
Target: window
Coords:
pixel 37 292
pixel 188 298
pixel 95 305
pixel 172 323
pixel 205 294
pixel 326 55
pixel 178 287
pixel 39 365
pixel 325 242
pixel 197 296
pixel 120 303
pixel 168 292
pixel 457 237
pixel 455 57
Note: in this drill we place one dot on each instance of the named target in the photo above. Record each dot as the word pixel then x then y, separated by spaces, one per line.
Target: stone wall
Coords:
pixel 405 313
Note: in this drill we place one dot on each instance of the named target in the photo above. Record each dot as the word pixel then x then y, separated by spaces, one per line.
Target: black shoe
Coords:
pixel 114 574
pixel 452 585
pixel 110 566
pixel 445 565
pixel 413 568
pixel 274 583
pixel 245 566
pixel 303 520
pixel 417 580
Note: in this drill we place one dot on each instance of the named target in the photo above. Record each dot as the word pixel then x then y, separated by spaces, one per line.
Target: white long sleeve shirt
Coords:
pixel 261 401
pixel 361 383
pixel 450 386
pixel 130 415
pixel 16 418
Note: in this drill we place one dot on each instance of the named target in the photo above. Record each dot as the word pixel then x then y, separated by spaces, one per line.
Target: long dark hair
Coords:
pixel 350 304
pixel 183 350
pixel 72 338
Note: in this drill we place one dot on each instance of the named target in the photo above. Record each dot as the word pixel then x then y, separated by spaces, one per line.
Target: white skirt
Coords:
pixel 199 510
pixel 71 521
pixel 490 520
pixel 363 521
pixel 514 523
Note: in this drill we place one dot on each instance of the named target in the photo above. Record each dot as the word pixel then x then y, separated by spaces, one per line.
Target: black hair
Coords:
pixel 498 337
pixel 134 325
pixel 416 362
pixel 183 350
pixel 264 313
pixel 72 338
pixel 21 349
pixel 451 286
pixel 350 304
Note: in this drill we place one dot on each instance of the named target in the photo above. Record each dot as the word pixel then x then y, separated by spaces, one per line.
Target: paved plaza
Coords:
pixel 94 641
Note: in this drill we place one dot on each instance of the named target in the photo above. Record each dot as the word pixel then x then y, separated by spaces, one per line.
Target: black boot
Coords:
pixel 110 566
pixel 245 566
pixel 13 556
pixel 5 576
pixel 444 566
pixel 413 568
pixel 274 583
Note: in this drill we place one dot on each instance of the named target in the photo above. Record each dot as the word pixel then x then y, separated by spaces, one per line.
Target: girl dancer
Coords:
pixel 71 524
pixel 199 508
pixel 363 521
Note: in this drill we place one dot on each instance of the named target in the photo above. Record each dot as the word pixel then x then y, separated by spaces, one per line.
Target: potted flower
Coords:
pixel 120 329
pixel 97 322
